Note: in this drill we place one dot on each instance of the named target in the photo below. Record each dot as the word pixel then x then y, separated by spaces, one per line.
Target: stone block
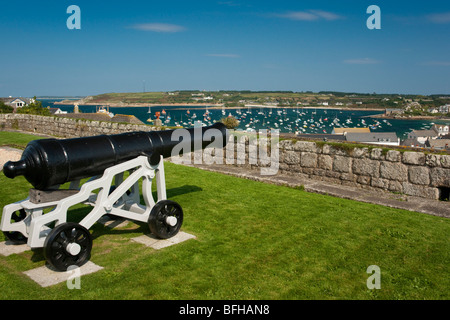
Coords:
pixel 337 151
pixel 440 177
pixel 286 145
pixel 395 186
pixel 377 154
pixel 326 149
pixel 291 157
pixel 393 171
pixel 308 160
pixel 284 166
pixel 366 167
pixel 420 191
pixel 305 146
pixel 361 152
pixel 363 180
pixel 416 158
pixel 393 156
pixel 433 160
pixel 342 164
pixel 325 162
pixel 445 161
pixel 419 175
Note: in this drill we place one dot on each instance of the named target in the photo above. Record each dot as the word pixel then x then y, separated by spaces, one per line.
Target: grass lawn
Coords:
pixel 16 139
pixel 254 241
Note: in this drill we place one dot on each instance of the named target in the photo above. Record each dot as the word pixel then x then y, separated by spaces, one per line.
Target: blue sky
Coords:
pixel 224 45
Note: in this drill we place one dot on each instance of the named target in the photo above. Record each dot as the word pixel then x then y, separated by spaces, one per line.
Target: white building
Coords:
pixel 380 138
pixel 445 108
pixel 16 102
pixel 441 129
pixel 423 135
pixel 57 111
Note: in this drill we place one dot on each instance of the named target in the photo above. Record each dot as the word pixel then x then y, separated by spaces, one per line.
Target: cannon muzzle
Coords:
pixel 50 162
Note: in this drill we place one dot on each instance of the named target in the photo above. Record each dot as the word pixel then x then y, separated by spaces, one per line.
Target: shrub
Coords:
pixel 230 122
pixel 5 108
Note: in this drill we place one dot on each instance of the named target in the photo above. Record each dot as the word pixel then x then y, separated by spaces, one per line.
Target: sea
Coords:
pixel 286 120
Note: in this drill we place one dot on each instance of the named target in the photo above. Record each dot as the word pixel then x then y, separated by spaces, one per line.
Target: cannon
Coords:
pixel 118 168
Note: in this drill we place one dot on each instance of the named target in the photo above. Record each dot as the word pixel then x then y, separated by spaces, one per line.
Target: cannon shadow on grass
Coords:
pixel 99 230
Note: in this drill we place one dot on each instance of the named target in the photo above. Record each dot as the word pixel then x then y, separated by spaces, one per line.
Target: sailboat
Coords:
pixel 149 115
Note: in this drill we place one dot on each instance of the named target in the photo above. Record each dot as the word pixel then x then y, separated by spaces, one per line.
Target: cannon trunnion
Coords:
pixel 121 169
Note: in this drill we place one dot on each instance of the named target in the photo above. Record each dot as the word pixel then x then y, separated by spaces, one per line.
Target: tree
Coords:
pixel 5 108
pixel 230 122
pixel 34 108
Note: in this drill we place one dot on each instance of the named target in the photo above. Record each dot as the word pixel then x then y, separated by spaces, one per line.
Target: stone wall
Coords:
pixel 65 127
pixel 407 172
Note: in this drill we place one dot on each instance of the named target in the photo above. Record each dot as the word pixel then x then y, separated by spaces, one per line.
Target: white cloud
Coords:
pixel 361 61
pixel 326 15
pixel 437 63
pixel 443 17
pixel 223 55
pixel 158 27
pixel 310 15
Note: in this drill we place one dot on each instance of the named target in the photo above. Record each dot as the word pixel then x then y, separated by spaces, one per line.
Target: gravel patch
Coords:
pixel 9 154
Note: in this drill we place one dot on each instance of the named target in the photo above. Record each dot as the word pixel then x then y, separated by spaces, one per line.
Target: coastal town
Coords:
pixel 234 104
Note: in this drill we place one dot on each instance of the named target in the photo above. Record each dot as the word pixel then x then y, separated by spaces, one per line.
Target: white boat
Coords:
pixel 104 110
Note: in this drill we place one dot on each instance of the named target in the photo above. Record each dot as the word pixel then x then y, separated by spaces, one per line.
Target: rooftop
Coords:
pixel 347 130
pixel 321 136
pixel 371 136
pixel 10 99
pixel 438 143
pixel 424 133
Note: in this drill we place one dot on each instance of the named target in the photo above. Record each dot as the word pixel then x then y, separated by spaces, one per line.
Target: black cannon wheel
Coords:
pixel 165 219
pixel 16 236
pixel 68 244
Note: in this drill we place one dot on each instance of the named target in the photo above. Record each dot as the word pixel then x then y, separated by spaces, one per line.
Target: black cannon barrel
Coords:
pixel 50 162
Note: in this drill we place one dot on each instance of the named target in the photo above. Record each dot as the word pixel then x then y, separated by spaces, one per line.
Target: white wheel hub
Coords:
pixel 73 248
pixel 171 221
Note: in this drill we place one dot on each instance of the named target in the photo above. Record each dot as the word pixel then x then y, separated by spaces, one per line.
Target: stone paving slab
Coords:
pixel 45 276
pixel 9 154
pixel 150 240
pixel 8 248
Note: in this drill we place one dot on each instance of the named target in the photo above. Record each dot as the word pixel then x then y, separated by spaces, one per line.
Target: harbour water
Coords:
pixel 287 120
